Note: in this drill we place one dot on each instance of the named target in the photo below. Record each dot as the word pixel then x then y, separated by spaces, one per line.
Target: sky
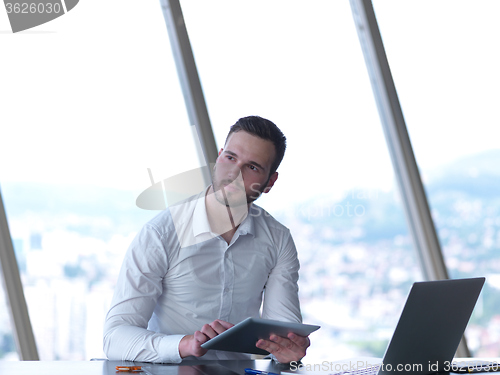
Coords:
pixel 93 96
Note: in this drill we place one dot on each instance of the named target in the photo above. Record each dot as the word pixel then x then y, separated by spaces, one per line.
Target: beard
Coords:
pixel 231 191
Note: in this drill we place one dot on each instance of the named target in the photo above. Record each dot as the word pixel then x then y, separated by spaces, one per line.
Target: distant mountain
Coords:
pixel 475 175
pixel 366 233
pixel 456 193
pixel 465 200
pixel 359 216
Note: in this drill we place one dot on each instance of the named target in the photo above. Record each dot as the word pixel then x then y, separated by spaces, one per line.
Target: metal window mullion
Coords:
pixel 23 332
pixel 415 202
pixel 190 82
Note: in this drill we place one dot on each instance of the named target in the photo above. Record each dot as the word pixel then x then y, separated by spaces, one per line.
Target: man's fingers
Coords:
pixel 226 325
pixel 271 346
pixel 220 326
pixel 285 349
pixel 215 328
pixel 281 341
pixel 301 341
pixel 208 331
pixel 265 344
pixel 200 337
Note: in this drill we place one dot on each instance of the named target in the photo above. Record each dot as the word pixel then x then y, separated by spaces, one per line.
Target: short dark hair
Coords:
pixel 265 129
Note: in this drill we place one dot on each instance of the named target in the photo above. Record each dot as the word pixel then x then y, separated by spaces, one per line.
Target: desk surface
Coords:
pixel 103 367
pixel 108 367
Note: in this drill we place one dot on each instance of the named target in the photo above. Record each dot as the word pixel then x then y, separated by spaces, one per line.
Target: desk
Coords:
pixel 108 367
pixel 186 368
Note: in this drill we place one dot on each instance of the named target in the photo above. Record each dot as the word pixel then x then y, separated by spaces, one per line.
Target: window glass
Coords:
pixel 444 61
pixel 302 67
pixel 7 340
pixel 90 101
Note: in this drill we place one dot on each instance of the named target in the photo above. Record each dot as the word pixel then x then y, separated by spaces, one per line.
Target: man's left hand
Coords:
pixel 286 349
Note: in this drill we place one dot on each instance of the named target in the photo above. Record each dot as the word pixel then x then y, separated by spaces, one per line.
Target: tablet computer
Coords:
pixel 244 335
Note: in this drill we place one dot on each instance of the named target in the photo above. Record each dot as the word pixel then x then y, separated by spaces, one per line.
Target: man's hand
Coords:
pixel 191 344
pixel 286 349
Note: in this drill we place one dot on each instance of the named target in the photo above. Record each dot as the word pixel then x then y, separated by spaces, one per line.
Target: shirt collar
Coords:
pixel 200 218
pixel 247 226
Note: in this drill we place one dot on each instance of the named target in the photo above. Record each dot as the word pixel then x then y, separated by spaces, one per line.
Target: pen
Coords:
pixel 251 371
pixel 128 368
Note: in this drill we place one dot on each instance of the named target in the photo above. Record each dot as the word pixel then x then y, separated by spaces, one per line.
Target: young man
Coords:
pixel 214 258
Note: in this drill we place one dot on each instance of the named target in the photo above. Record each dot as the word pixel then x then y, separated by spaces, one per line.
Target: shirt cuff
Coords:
pixel 169 349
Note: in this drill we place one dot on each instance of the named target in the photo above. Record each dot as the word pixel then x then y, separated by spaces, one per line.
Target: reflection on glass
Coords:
pixel 302 68
pixel 445 67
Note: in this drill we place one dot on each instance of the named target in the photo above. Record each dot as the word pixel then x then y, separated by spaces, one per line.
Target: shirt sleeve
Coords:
pixel 281 299
pixel 139 285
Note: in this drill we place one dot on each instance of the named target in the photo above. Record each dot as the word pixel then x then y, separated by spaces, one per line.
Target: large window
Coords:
pixel 7 341
pixel 89 102
pixel 445 62
pixel 302 67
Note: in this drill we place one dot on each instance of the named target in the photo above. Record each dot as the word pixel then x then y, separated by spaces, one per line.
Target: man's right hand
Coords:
pixel 191 344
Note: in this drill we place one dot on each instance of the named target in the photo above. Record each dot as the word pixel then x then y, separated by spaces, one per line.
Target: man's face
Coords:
pixel 241 172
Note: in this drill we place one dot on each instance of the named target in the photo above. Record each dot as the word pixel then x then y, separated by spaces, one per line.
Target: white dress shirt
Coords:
pixel 168 288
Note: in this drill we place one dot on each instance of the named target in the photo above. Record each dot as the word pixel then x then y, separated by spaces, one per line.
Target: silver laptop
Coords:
pixel 428 333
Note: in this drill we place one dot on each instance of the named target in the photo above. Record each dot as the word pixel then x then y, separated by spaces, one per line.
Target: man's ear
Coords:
pixel 271 182
pixel 218 155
